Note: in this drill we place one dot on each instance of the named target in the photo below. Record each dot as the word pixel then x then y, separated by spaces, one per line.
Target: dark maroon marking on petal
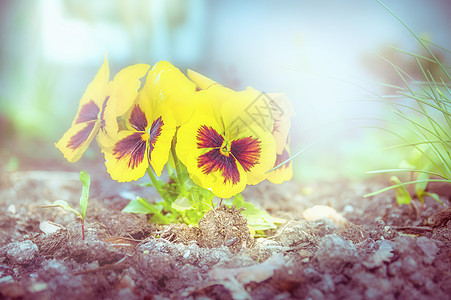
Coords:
pixel 88 112
pixel 213 161
pixel 276 126
pixel 246 151
pixel 102 114
pixel 207 137
pixel 138 119
pixel 280 158
pixel 131 147
pixel 80 137
pixel 155 131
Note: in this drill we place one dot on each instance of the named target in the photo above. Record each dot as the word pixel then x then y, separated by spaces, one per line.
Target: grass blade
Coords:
pixel 404 184
pixel 415 36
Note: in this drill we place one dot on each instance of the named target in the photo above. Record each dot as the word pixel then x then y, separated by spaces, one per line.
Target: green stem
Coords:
pixel 178 169
pixel 155 182
pixel 155 211
pixel 160 190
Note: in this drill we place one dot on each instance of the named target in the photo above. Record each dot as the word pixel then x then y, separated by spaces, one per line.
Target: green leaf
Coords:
pixel 86 182
pixel 434 196
pixel 163 219
pixel 182 204
pixel 193 216
pixel 258 219
pixel 141 206
pixel 402 195
pixel 420 187
pixel 64 205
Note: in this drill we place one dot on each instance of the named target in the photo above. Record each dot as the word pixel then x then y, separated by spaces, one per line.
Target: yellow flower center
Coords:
pixel 225 149
pixel 145 136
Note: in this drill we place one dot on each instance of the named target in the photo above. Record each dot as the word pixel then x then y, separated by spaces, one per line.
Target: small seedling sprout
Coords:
pixel 86 181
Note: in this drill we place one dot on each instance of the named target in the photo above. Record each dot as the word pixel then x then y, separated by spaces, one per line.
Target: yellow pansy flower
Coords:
pixel 221 150
pixel 99 106
pixel 147 139
pixel 271 111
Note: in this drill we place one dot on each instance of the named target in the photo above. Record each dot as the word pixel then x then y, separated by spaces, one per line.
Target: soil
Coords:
pixel 331 243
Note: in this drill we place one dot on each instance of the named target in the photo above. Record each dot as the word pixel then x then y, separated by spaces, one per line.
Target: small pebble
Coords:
pixel 49 227
pixel 38 287
pixel 12 209
pixel 348 209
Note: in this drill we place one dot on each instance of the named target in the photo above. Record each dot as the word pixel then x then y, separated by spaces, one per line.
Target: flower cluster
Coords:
pixel 225 139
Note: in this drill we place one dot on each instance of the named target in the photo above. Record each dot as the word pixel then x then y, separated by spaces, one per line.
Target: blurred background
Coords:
pixel 325 55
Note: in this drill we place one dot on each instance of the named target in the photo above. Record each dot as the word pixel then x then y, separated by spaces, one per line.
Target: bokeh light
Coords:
pixel 323 54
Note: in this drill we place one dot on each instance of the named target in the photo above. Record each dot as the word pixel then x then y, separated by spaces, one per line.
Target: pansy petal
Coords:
pixel 85 125
pixel 283 173
pixel 125 86
pixel 282 112
pixel 161 125
pixel 267 154
pixel 120 95
pixel 77 139
pixel 280 132
pixel 105 141
pixel 282 105
pixel 127 160
pixel 157 120
pixel 227 165
pixel 161 134
pixel 249 107
pixel 245 107
pixel 200 80
pixel 187 147
pixel 203 102
pixel 171 80
pixel 137 118
pixel 246 151
pixel 167 84
pixel 108 123
pixel 88 112
pixel 215 181
pixel 208 137
pixel 96 89
pixel 206 167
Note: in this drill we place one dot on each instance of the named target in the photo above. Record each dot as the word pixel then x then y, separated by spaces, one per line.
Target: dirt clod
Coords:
pixel 224 226
pixel 180 233
pixel 21 252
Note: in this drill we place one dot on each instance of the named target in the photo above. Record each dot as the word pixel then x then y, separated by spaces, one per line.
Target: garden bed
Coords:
pixel 330 243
